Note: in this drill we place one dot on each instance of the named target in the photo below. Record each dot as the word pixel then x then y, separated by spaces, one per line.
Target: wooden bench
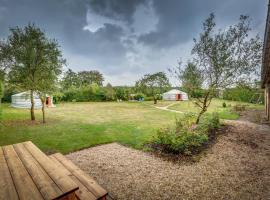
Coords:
pixel 27 173
pixel 88 187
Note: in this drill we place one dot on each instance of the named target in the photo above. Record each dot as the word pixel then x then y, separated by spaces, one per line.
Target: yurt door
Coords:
pixel 48 101
pixel 178 97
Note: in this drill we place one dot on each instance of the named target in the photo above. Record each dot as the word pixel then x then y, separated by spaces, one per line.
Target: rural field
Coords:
pixel 74 126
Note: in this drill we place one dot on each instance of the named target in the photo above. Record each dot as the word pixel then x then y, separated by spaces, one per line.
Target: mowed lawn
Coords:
pixel 74 126
pixel 215 106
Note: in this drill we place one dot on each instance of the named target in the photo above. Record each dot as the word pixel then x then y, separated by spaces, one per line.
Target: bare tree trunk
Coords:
pixel 155 100
pixel 43 111
pixel 32 110
pixel 206 102
pixel 199 116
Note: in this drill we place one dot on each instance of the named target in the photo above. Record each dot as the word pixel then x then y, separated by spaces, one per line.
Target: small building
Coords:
pixel 175 95
pixel 22 100
pixel 265 73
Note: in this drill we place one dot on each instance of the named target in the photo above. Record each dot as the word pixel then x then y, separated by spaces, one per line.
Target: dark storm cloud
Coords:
pixel 126 38
pixel 117 9
pixel 180 20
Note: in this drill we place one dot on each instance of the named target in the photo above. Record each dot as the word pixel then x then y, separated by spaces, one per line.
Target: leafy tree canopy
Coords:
pixel 153 84
pixel 33 61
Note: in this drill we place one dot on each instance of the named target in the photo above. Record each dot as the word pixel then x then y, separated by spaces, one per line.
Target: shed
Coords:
pixel 22 100
pixel 175 95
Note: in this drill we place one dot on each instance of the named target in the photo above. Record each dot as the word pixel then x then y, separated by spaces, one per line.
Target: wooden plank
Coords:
pixel 7 188
pixel 44 183
pixel 84 178
pixel 23 182
pixel 83 193
pixel 65 183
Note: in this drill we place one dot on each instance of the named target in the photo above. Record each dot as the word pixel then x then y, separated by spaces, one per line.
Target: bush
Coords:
pixel 224 105
pixel 149 98
pixel 186 137
pixel 86 93
pixel 139 96
pixel 210 122
pixel 244 93
pixel 57 97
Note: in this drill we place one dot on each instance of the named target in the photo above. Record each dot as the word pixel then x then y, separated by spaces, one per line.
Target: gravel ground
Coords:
pixel 237 166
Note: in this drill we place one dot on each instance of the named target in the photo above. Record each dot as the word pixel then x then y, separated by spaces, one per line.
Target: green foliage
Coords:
pixel 109 92
pixel 186 137
pixel 225 57
pixel 244 93
pixel 190 78
pixel 86 93
pixel 1 95
pixel 90 77
pixel 213 121
pixel 224 105
pixel 1 90
pixel 139 96
pixel 57 97
pixel 34 61
pixel 149 99
pixel 82 78
pixel 153 84
pixel 123 93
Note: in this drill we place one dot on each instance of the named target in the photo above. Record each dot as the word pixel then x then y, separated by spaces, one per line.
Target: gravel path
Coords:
pixel 237 166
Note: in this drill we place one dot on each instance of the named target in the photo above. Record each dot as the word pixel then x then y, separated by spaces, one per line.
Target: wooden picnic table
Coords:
pixel 27 173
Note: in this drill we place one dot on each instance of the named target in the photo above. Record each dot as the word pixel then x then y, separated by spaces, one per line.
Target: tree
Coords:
pixel 153 84
pixel 189 77
pixel 110 93
pixel 89 77
pixel 34 61
pixel 70 79
pixel 225 57
pixel 1 96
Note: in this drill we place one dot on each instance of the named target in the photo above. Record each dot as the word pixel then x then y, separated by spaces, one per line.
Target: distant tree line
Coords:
pixel 88 86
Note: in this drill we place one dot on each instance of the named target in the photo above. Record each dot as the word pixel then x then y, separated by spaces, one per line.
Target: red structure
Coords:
pixel 178 97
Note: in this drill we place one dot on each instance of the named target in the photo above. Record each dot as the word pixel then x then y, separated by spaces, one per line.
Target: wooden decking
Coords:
pixel 27 173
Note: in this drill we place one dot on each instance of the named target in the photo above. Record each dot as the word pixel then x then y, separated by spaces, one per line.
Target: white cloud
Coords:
pixel 96 21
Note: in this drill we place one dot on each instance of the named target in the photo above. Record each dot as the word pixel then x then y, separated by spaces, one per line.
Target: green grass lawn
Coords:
pixel 215 106
pixel 73 126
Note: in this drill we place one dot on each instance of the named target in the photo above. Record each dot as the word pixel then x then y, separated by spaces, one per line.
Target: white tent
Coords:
pixel 175 95
pixel 22 100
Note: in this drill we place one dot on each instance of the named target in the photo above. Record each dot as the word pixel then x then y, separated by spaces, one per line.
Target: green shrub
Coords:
pixel 244 93
pixel 86 93
pixel 214 121
pixel 186 137
pixel 224 105
pixel 57 97
pixel 139 96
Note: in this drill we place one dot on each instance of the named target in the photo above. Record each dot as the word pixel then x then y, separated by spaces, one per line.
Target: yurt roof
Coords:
pixel 174 91
pixel 27 93
pixel 22 93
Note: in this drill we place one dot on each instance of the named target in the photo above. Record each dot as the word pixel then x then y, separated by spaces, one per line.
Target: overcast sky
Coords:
pixel 125 39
